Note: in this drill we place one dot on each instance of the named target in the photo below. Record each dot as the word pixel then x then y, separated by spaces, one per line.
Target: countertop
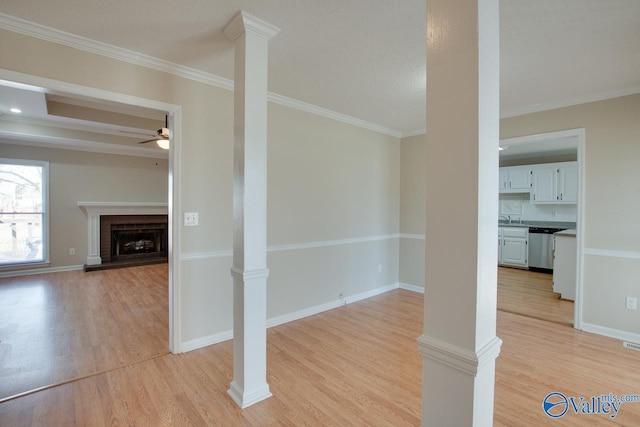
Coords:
pixel 548 224
pixel 571 232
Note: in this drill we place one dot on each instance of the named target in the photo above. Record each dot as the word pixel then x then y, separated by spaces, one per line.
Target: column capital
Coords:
pixel 243 22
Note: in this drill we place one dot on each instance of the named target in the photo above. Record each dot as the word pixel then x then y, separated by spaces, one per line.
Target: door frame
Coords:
pixel 174 176
pixel 578 133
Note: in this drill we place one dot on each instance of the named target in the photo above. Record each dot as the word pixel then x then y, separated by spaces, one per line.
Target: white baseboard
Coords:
pixel 412 288
pixel 30 272
pixel 300 314
pixel 611 333
pixel 371 293
pixel 206 341
pixel 286 318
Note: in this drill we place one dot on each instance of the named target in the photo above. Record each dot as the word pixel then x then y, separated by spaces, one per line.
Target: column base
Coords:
pixel 458 384
pixel 463 360
pixel 245 398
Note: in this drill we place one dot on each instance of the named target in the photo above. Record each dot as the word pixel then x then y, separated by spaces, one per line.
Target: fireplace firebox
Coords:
pixel 129 238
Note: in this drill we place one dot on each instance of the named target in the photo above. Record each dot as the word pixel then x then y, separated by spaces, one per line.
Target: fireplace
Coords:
pixel 143 225
pixel 128 238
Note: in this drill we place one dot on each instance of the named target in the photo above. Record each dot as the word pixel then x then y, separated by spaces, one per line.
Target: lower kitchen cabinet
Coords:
pixel 564 265
pixel 513 246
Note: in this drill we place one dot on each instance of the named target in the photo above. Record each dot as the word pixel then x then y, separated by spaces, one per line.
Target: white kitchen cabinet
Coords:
pixel 513 246
pixel 568 183
pixel 544 189
pixel 514 252
pixel 564 265
pixel 555 183
pixel 515 179
pixel 503 179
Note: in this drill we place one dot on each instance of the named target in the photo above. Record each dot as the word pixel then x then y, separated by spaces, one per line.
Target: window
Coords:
pixel 23 212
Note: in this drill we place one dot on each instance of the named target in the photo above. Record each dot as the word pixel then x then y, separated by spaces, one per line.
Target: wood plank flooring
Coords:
pixel 60 326
pixel 355 365
pixel 531 294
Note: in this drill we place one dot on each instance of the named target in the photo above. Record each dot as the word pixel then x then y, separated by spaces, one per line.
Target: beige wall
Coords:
pixel 612 157
pixel 612 197
pixel 413 190
pixel 327 181
pixel 80 176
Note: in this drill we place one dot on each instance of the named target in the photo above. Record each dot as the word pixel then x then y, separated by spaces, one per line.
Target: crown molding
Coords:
pixel 42 32
pixel 415 132
pixel 537 108
pixel 319 111
pixel 243 21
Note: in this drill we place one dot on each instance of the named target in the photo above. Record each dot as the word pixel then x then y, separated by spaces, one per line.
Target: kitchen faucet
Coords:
pixel 507 217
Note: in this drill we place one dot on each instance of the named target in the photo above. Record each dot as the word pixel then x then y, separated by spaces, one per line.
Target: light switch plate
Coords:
pixel 190 219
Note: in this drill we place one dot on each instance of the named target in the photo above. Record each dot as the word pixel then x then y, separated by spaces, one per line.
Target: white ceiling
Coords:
pixel 366 59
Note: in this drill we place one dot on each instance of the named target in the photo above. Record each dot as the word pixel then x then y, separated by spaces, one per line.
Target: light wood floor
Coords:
pixel 354 365
pixel 60 326
pixel 531 294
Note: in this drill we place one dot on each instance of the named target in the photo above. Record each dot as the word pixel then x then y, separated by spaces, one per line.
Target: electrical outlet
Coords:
pixel 341 296
pixel 72 251
pixel 190 219
pixel 379 268
pixel 631 303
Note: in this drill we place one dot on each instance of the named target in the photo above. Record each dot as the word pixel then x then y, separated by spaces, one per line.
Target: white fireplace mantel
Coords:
pixel 95 209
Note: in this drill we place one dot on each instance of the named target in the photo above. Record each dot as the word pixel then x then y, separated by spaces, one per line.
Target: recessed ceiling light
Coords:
pixel 15 110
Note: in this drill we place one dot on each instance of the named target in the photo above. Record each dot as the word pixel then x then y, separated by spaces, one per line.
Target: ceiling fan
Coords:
pixel 162 136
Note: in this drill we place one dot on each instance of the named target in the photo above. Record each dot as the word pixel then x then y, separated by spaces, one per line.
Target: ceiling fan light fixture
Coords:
pixel 163 143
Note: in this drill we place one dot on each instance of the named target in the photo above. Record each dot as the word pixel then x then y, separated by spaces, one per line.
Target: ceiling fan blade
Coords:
pixel 149 140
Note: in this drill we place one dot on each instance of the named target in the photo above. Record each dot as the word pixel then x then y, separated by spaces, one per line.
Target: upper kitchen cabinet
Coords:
pixel 555 183
pixel 545 184
pixel 568 183
pixel 515 179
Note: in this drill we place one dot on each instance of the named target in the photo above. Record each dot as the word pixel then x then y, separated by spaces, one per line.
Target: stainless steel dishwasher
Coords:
pixel 541 248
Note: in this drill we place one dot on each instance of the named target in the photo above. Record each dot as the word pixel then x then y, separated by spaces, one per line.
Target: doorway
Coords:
pixel 553 148
pixel 171 275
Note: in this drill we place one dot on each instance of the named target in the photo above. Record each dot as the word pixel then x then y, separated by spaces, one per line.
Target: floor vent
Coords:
pixel 631 345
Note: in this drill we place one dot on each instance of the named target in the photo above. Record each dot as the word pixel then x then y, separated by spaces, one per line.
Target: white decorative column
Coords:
pixel 459 344
pixel 249 271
